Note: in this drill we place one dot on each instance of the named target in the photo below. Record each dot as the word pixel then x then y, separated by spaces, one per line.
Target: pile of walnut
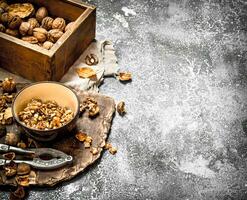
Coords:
pixel 45 115
pixel 21 173
pixel 21 20
pixel 91 105
pixel 8 87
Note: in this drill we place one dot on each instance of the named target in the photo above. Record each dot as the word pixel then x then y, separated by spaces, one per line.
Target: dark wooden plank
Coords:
pixel 25 61
pixel 98 128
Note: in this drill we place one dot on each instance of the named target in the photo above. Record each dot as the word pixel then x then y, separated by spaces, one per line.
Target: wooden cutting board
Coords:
pixel 98 128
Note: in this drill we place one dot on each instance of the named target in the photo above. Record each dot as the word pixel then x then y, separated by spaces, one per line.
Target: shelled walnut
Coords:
pixel 8 85
pixel 45 115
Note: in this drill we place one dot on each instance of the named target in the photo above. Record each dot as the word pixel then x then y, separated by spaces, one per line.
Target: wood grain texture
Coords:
pixel 38 64
pixel 98 128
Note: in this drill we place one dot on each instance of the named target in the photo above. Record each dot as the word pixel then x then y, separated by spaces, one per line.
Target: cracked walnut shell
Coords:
pixel 121 108
pixel 30 39
pixel 23 10
pixel 19 193
pixel 23 169
pixel 8 85
pixel 14 33
pixel 59 23
pixel 14 22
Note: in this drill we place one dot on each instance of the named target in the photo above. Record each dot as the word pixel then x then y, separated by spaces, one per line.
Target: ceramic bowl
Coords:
pixel 58 92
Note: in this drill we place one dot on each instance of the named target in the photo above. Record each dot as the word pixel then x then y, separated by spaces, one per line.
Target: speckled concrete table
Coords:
pixel 182 137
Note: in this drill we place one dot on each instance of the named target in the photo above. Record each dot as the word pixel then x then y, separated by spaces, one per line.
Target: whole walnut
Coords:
pixel 40 34
pixel 33 24
pixel 14 22
pixel 69 26
pixel 54 35
pixel 41 14
pixel 24 28
pixel 47 23
pixel 30 39
pixel 1 11
pixel 11 32
pixel 5 18
pixel 59 23
pixel 4 5
pixel 47 45
pixel 2 28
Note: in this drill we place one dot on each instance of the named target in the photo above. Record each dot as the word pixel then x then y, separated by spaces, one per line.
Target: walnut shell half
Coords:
pixel 15 22
pixel 14 33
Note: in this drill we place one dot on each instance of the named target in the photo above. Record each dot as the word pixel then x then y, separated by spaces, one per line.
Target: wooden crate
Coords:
pixel 38 64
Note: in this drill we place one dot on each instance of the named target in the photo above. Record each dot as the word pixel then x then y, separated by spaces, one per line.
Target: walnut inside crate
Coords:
pixel 23 21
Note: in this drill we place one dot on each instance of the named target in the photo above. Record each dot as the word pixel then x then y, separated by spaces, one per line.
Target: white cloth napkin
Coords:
pixel 107 66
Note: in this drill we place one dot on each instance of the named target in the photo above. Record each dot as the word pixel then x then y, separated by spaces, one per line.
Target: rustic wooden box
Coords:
pixel 38 64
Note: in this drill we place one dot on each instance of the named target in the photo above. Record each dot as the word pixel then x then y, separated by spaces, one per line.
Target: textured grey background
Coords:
pixel 182 138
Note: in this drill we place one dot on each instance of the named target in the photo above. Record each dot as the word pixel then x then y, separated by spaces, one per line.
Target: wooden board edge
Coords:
pixel 81 4
pixel 20 42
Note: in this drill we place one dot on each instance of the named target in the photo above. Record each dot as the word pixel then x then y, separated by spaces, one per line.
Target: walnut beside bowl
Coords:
pixel 45 91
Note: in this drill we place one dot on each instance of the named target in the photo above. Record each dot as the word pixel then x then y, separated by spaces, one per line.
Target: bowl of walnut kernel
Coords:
pixel 45 110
